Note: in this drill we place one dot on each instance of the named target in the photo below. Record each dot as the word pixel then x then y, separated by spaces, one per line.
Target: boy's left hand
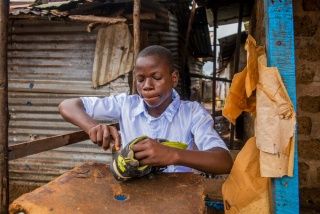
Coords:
pixel 151 152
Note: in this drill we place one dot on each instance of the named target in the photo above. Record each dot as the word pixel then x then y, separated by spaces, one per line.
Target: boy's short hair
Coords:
pixel 159 51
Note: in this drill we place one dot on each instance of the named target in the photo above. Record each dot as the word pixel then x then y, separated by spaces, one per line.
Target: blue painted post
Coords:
pixel 280 54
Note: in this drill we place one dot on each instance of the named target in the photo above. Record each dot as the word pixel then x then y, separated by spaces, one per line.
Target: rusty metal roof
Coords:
pixel 228 10
pixel 199 37
pixel 199 42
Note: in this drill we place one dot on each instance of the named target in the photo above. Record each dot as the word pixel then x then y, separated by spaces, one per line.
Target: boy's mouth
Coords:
pixel 150 99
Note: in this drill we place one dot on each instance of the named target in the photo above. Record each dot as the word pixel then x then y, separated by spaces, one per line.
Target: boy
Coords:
pixel 158 112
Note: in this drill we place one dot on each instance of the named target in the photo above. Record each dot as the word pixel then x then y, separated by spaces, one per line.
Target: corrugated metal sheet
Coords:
pixel 195 66
pixel 113 55
pixel 62 9
pixel 199 44
pixel 55 57
pixel 200 37
pixel 49 62
pixel 169 40
pixel 228 10
pixel 35 115
pixel 227 48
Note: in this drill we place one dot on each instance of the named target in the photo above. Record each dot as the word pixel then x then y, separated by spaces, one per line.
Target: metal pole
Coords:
pixel 136 38
pixel 215 21
pixel 4 115
pixel 236 64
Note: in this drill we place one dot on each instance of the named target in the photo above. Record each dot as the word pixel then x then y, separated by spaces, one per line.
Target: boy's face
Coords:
pixel 155 81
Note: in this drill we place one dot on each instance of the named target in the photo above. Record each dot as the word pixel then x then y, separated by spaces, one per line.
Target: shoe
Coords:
pixel 124 166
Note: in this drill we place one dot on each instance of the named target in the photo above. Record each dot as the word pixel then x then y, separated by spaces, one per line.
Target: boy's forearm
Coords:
pixel 213 161
pixel 73 111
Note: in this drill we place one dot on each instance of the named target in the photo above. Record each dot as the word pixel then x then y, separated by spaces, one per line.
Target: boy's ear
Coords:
pixel 175 78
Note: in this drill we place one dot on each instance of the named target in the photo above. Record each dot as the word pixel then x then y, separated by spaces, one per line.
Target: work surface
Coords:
pixel 91 188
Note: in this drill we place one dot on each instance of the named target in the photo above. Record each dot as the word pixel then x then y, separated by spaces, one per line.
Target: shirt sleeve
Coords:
pixel 107 108
pixel 205 136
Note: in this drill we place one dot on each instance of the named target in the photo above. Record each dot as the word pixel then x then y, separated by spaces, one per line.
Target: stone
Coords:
pixel 304 125
pixel 309 103
pixel 311 5
pixel 309 196
pixel 303 26
pixel 303 174
pixel 305 75
pixel 309 149
pixel 310 52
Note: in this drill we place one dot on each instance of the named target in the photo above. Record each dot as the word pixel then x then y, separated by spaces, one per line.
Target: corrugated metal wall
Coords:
pixel 49 62
pixel 169 40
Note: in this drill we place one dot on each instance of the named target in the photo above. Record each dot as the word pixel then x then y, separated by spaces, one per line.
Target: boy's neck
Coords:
pixel 156 111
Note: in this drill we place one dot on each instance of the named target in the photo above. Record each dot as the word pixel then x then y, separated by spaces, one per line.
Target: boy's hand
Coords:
pixel 103 134
pixel 151 152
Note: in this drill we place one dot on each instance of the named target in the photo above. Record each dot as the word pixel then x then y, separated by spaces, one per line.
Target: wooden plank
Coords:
pixel 185 50
pixel 280 53
pixel 136 39
pixel 145 16
pixel 4 114
pixel 32 147
pixel 91 18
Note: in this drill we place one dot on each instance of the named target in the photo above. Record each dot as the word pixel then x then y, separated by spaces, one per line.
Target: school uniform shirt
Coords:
pixel 182 121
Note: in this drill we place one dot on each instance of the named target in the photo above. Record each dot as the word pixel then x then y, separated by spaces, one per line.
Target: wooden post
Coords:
pixel 236 64
pixel 214 72
pixel 185 49
pixel 136 38
pixel 4 115
pixel 280 53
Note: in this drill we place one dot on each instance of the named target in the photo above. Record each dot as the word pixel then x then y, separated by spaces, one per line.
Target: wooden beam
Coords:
pixel 101 19
pixel 185 49
pixel 236 65
pixel 281 54
pixel 24 16
pixel 33 147
pixel 136 38
pixel 4 113
pixel 214 72
pixel 145 16
pixel 208 77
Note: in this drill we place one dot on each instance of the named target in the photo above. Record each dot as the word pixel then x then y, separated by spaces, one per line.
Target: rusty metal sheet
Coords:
pixel 113 54
pixel 195 66
pixel 49 62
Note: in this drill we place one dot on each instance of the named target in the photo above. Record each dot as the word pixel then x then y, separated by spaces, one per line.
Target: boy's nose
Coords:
pixel 148 84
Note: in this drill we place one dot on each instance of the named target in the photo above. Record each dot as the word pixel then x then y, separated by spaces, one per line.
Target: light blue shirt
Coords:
pixel 182 121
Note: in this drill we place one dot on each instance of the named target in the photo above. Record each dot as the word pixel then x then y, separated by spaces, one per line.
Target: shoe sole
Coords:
pixel 116 172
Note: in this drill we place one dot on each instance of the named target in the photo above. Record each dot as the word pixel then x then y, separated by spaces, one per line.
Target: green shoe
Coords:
pixel 124 166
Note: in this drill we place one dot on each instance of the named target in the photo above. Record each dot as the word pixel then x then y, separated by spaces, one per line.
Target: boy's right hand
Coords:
pixel 103 135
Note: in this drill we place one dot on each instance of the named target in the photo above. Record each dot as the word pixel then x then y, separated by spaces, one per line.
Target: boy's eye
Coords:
pixel 157 78
pixel 140 79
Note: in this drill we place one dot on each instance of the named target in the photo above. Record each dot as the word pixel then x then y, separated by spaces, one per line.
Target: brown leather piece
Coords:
pixel 91 188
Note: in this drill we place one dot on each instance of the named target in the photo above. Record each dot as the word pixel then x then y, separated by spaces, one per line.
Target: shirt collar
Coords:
pixel 168 113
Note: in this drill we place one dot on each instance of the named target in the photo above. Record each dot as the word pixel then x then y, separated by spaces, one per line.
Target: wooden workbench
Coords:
pixel 91 188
